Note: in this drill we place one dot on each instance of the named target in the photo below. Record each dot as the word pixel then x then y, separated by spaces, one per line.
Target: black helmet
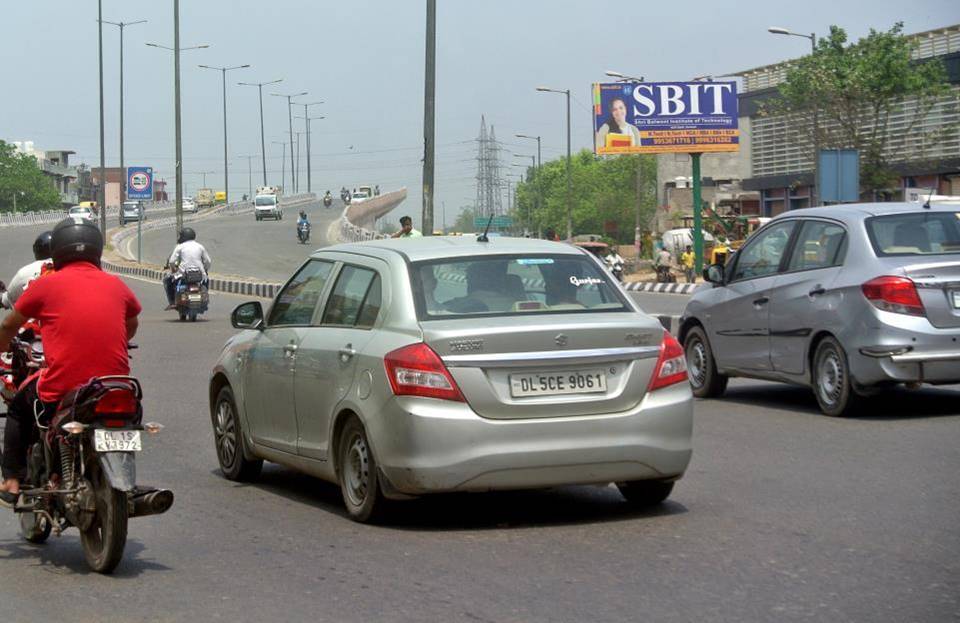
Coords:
pixel 187 233
pixel 75 240
pixel 41 246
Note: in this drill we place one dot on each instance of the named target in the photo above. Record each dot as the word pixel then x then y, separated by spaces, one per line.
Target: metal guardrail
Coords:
pixel 350 232
pixel 41 217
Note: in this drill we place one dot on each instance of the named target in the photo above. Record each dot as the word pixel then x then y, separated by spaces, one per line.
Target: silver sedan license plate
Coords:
pixel 116 440
pixel 557 383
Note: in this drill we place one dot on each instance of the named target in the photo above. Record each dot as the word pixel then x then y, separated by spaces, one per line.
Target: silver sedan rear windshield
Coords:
pixel 917 233
pixel 503 286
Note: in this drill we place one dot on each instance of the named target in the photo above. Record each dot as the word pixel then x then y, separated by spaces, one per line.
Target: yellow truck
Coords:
pixel 220 197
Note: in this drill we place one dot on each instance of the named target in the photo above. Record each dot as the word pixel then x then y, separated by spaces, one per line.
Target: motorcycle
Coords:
pixel 665 275
pixel 616 269
pixel 81 472
pixel 192 295
pixel 303 232
pixel 327 200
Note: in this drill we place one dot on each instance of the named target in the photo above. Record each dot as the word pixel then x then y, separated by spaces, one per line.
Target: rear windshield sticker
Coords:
pixel 585 281
pixel 534 261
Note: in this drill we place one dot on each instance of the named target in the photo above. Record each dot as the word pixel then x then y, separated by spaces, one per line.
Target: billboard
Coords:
pixel 139 182
pixel 658 117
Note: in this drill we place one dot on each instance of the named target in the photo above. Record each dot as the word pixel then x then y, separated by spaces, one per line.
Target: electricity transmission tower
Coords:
pixel 489 184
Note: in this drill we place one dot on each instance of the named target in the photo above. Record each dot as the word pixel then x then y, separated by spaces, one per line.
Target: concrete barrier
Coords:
pixel 358 217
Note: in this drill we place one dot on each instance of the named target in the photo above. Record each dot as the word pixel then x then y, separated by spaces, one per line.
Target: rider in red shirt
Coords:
pixel 87 317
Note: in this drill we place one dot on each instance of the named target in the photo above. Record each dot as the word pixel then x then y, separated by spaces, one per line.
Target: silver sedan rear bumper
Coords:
pixel 426 445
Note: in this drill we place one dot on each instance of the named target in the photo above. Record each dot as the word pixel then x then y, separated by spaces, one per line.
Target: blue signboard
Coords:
pixel 139 182
pixel 839 175
pixel 658 117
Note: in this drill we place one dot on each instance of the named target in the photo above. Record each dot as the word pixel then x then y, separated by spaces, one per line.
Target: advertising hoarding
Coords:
pixel 660 117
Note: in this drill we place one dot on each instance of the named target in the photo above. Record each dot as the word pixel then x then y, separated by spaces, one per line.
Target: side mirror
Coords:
pixel 247 316
pixel 714 274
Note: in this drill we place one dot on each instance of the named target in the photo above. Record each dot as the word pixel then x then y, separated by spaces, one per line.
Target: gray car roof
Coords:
pixel 859 211
pixel 436 247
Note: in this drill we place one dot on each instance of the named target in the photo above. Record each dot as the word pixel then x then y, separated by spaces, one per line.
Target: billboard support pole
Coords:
pixel 697 216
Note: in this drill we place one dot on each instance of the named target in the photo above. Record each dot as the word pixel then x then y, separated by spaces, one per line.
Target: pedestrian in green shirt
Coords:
pixel 406 229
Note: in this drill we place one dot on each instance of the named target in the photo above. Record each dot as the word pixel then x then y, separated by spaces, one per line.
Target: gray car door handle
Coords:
pixel 290 350
pixel 761 301
pixel 347 352
pixel 817 291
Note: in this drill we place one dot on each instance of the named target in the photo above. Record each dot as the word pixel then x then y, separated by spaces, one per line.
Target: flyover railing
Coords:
pixel 357 217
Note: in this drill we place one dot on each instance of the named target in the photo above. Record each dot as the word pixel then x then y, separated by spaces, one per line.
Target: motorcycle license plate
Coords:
pixel 557 383
pixel 116 440
pixel 195 297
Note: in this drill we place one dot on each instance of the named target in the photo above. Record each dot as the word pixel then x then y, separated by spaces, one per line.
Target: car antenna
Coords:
pixel 483 237
pixel 926 204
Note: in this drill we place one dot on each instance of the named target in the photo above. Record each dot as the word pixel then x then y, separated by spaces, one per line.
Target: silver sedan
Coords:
pixel 404 367
pixel 844 299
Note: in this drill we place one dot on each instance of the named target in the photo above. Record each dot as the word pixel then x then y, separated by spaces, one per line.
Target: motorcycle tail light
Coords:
pixel 117 402
pixel 114 422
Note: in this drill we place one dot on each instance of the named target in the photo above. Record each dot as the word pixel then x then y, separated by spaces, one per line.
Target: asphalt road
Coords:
pixel 241 245
pixel 784 515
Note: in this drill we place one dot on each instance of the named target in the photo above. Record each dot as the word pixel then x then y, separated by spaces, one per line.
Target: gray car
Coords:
pixel 132 211
pixel 846 300
pixel 404 367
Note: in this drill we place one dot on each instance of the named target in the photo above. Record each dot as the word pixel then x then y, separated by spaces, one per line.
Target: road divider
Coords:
pixel 666 288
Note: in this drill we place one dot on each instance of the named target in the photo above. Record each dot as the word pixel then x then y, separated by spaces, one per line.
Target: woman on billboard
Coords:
pixel 615 131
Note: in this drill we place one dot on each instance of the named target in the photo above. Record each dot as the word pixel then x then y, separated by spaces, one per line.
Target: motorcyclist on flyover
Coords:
pixel 42 263
pixel 87 317
pixel 187 254
pixel 303 221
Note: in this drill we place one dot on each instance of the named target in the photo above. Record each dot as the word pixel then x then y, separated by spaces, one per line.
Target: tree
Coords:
pixel 856 90
pixel 20 176
pixel 604 192
pixel 464 220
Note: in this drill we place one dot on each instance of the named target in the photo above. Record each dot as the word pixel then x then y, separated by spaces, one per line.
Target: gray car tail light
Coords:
pixel 416 370
pixel 894 294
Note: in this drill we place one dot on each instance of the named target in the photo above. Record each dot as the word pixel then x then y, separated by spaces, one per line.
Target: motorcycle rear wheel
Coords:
pixel 104 541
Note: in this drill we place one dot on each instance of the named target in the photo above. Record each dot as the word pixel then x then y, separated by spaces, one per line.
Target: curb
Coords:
pixel 666 288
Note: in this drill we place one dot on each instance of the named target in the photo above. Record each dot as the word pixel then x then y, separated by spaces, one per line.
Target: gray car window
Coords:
pixel 819 245
pixel 916 233
pixel 762 255
pixel 298 300
pixel 348 296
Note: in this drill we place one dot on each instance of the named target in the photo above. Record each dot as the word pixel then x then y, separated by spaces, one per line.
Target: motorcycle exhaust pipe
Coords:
pixel 150 502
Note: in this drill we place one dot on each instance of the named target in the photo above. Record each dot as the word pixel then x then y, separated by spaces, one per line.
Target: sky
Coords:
pixel 365 60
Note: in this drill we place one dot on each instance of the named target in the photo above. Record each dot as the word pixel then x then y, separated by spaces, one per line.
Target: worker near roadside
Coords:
pixel 688 259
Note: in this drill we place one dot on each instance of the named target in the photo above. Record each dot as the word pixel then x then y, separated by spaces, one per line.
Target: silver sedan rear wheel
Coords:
pixel 359 482
pixel 831 378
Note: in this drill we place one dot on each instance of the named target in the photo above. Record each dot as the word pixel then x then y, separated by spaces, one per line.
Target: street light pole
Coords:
pixel 290 120
pixel 569 174
pixel 815 187
pixel 178 158
pixel 263 145
pixel 307 124
pixel 123 171
pixel 223 72
pixel 101 199
pixel 538 168
pixel 429 126
pixel 283 163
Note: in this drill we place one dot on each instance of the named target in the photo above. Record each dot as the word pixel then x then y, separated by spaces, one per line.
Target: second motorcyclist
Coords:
pixel 187 254
pixel 41 264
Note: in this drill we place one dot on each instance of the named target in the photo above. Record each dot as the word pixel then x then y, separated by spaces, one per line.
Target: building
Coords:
pixel 773 171
pixel 55 165
pixel 926 155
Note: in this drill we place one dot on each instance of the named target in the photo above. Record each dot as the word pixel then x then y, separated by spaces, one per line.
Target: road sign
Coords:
pixel 839 175
pixel 139 182
pixel 498 221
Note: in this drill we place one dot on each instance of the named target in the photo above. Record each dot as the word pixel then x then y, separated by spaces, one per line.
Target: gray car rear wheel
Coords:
pixel 357 467
pixel 645 492
pixel 831 379
pixel 705 380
